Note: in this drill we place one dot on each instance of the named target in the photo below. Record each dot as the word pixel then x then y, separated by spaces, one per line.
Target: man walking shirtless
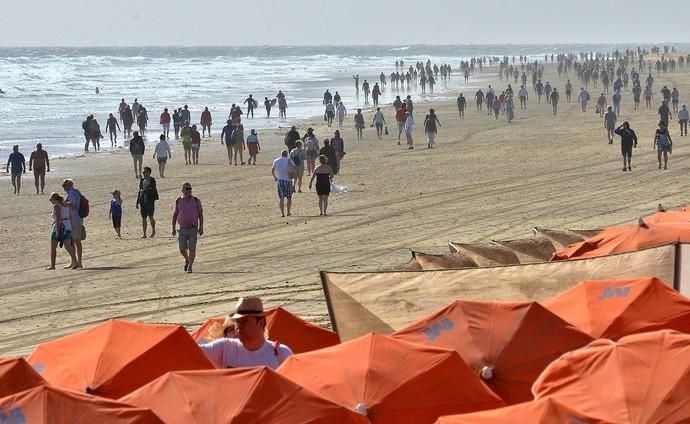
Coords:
pixel 41 164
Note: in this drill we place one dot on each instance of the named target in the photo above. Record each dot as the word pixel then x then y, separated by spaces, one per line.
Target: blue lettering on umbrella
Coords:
pixel 609 292
pixel 14 415
pixel 434 330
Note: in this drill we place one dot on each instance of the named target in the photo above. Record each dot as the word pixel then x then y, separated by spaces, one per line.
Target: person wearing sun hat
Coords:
pixel 250 348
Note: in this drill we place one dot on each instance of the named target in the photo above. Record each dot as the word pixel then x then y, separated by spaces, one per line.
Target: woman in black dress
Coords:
pixel 324 175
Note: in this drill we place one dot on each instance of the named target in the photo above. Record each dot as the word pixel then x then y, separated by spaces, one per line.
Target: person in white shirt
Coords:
pixel 162 152
pixel 61 230
pixel 379 121
pixel 522 94
pixel 583 98
pixel 250 348
pixel 341 111
pixel 683 117
pixel 409 127
pixel 283 179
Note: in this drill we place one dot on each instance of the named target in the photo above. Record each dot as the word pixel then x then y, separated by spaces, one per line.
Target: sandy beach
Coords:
pixel 485 179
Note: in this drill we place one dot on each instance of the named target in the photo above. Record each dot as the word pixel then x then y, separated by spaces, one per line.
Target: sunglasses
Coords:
pixel 187 188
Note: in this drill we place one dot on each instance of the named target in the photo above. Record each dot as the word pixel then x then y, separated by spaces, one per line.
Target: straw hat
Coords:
pixel 249 306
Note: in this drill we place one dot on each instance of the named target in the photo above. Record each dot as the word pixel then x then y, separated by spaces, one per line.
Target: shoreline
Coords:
pixel 438 97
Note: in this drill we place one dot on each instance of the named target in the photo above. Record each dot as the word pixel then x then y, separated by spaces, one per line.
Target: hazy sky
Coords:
pixel 344 22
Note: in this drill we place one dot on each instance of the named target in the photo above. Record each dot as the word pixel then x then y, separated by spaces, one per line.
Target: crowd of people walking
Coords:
pixel 614 74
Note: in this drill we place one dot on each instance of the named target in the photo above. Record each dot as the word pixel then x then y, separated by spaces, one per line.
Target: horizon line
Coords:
pixel 627 43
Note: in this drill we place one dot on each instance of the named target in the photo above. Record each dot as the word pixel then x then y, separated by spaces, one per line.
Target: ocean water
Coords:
pixel 49 91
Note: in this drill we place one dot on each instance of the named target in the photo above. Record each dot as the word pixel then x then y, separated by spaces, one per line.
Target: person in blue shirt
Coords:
pixel 115 212
pixel 226 138
pixel 18 163
pixel 617 102
pixel 610 119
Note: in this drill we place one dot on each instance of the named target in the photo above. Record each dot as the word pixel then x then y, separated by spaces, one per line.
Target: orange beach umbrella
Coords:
pixel 508 344
pixel 242 395
pixel 117 357
pixel 615 308
pixel 391 381
pixel 207 331
pixel 641 379
pixel 679 215
pixel 300 335
pixel 48 404
pixel 17 375
pixel 541 411
pixel 584 248
pixel 645 233
pixel 282 326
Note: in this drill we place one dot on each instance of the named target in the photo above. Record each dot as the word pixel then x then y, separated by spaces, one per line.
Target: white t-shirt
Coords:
pixel 281 167
pixel 409 124
pixel 162 149
pixel 230 353
pixel 65 217
pixel 378 117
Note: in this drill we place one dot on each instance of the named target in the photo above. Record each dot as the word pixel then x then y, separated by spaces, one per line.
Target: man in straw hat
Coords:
pixel 250 348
